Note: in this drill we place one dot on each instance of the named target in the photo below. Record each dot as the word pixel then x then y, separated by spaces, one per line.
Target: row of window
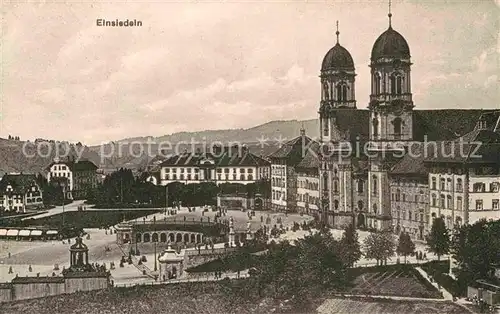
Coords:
pixel 396 83
pixel 278 196
pixel 401 197
pixel 314 186
pixel 278 182
pixel 60 167
pixel 410 216
pixel 446 185
pixel 306 198
pixel 188 177
pixel 494 205
pixel 446 201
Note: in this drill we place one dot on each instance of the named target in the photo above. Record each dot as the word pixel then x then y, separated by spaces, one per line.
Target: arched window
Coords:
pixel 377 83
pixel 397 126
pixel 335 186
pixel 434 200
pixel 375 127
pixel 360 186
pixel 374 208
pixel 398 195
pixel 326 127
pixel 326 91
pixel 396 84
pixel 374 185
pixel 335 204
pixel 325 181
pixel 459 185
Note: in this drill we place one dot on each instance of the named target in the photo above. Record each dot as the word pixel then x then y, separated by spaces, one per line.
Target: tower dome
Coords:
pixel 390 44
pixel 337 58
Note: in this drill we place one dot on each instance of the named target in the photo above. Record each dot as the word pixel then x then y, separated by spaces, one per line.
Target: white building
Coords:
pixel 19 192
pixel 284 176
pixel 222 165
pixel 78 176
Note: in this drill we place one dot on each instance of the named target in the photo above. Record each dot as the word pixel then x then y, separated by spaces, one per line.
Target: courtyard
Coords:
pixel 43 256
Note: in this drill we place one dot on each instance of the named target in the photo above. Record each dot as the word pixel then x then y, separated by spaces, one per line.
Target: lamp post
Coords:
pixel 154 228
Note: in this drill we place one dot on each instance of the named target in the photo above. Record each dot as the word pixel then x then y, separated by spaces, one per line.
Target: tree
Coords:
pixel 405 245
pixel 439 238
pixel 349 245
pixel 476 249
pixel 379 246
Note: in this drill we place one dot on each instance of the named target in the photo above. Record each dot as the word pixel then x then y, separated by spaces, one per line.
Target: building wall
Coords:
pixel 32 199
pixel 307 192
pixel 464 195
pixel 410 206
pixel 83 181
pixel 6 293
pixel 230 174
pixel 484 196
pixel 72 285
pixel 279 184
pixel 61 170
pixel 24 291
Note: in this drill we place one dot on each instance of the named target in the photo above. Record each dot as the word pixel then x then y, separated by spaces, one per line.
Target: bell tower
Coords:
pixel 391 102
pixel 337 86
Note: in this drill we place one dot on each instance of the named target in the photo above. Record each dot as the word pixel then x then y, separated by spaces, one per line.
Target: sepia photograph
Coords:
pixel 249 156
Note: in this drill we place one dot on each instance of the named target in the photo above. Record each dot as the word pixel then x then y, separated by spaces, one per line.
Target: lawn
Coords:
pixel 89 219
pixel 199 298
pixel 378 306
pixel 208 298
pixel 394 280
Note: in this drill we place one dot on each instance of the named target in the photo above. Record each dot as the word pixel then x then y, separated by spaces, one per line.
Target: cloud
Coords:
pixel 199 65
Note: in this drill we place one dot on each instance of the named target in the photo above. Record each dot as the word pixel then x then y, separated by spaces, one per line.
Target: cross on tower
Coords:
pixel 390 14
pixel 337 32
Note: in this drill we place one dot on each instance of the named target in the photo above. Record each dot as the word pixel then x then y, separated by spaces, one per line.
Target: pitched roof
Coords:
pixel 352 123
pixel 294 150
pixel 225 157
pixel 433 125
pixel 412 162
pixel 20 182
pixel 311 160
pixel 81 165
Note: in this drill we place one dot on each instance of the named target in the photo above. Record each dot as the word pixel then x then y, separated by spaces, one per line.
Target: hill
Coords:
pixel 34 157
pixel 127 152
pixel 22 156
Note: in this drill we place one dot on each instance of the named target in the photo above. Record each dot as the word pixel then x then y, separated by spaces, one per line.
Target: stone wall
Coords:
pixel 22 288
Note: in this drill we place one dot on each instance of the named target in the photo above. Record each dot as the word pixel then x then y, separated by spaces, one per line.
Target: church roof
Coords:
pixel 390 44
pixel 430 125
pixel 337 58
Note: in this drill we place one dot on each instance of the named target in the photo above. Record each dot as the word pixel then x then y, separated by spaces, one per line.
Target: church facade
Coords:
pixel 390 166
pixel 375 166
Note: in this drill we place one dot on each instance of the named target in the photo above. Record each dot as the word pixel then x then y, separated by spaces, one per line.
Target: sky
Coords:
pixel 196 65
